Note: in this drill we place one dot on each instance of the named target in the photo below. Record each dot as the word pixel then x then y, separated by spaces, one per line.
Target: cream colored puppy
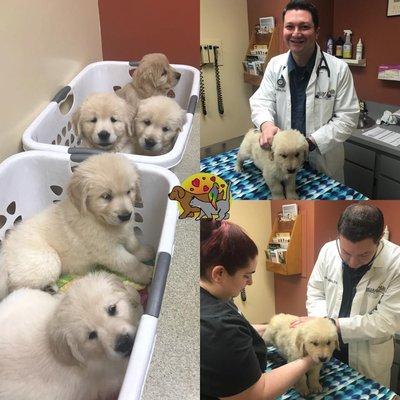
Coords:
pixel 93 225
pixel 104 121
pixel 71 347
pixel 153 76
pixel 158 121
pixel 280 164
pixel 316 337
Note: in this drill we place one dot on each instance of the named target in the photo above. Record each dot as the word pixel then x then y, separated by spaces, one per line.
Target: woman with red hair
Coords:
pixel 232 352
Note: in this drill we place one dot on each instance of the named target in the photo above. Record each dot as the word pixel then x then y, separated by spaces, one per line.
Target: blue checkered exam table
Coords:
pixel 250 184
pixel 340 382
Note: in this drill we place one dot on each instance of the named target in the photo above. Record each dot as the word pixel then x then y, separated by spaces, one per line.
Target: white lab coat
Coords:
pixel 329 121
pixel 375 311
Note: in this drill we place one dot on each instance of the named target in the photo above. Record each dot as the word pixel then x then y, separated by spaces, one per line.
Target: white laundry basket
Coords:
pixel 31 181
pixel 52 129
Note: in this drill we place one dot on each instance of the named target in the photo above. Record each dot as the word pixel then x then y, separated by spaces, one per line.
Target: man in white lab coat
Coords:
pixel 308 90
pixel 356 283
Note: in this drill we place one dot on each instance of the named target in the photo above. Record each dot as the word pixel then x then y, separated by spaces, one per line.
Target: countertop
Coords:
pixel 174 371
pixel 375 110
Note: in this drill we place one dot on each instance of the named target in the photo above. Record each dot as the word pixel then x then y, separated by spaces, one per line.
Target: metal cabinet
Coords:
pixel 395 373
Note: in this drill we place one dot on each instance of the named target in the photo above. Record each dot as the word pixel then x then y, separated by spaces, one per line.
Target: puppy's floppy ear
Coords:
pixel 61 342
pixel 300 342
pixel 75 121
pixel 78 190
pixel 130 112
pixel 337 347
pixel 181 119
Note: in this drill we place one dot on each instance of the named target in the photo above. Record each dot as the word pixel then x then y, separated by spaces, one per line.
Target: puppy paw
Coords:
pixel 303 390
pixel 238 167
pixel 315 387
pixel 51 288
pixel 145 253
pixel 145 275
pixel 292 196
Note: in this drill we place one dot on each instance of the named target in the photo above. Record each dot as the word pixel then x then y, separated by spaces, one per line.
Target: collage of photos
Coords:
pixel 200 200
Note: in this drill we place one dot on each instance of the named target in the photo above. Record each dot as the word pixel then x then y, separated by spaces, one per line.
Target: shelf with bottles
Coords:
pixel 262 47
pixel 355 63
pixel 284 247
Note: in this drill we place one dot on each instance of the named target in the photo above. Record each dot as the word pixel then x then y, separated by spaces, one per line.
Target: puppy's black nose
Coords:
pixel 323 359
pixel 124 344
pixel 178 75
pixel 149 143
pixel 125 216
pixel 291 170
pixel 103 135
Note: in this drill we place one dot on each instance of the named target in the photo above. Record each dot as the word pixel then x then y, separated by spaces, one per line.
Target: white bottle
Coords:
pixel 386 233
pixel 359 50
pixel 347 47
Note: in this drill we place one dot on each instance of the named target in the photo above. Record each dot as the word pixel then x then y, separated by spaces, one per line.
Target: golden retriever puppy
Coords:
pixel 104 121
pixel 280 164
pixel 153 76
pixel 157 123
pixel 74 346
pixel 317 337
pixel 93 225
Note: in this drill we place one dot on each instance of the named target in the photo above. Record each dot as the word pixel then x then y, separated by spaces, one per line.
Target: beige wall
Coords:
pixel 44 44
pixel 225 20
pixel 255 218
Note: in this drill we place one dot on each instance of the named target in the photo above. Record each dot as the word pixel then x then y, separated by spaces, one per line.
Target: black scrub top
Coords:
pixel 232 353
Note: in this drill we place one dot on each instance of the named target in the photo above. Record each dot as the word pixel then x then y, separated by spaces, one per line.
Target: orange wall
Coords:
pixel 133 28
pixel 319 220
pixel 380 35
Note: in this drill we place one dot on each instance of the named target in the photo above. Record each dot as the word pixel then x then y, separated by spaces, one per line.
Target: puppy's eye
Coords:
pixel 297 155
pixel 129 192
pixel 94 120
pixel 315 343
pixel 328 342
pixel 106 196
pixel 164 72
pixel 165 129
pixel 147 122
pixel 92 335
pixel 283 155
pixel 112 310
pixel 113 119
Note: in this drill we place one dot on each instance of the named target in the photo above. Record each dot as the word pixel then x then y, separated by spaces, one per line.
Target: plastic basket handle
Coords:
pixel 79 154
pixel 192 104
pixel 61 94
pixel 157 287
pixel 133 63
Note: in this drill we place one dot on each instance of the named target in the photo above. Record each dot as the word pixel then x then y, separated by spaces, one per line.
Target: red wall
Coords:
pixel 319 220
pixel 133 28
pixel 381 37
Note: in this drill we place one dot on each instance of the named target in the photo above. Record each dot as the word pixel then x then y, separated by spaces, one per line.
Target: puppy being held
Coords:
pixel 104 121
pixel 316 337
pixel 157 124
pixel 153 76
pixel 74 346
pixel 280 164
pixel 92 225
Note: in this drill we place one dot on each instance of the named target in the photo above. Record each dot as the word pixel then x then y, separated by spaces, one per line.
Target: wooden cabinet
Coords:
pixel 272 42
pixel 292 265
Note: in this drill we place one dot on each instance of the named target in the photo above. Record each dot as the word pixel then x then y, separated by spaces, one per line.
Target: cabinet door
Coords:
pixel 387 189
pixel 389 167
pixel 359 155
pixel 359 178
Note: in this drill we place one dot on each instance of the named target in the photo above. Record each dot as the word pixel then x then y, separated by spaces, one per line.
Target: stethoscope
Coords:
pixel 322 66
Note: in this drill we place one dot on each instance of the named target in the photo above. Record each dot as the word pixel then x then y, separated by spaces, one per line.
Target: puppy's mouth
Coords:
pixel 291 171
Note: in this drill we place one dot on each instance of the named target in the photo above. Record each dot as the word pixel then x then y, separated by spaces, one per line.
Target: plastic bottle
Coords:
pixel 359 50
pixel 339 47
pixel 386 233
pixel 329 45
pixel 347 47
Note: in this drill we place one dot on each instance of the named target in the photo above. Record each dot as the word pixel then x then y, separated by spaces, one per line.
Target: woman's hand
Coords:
pixel 300 321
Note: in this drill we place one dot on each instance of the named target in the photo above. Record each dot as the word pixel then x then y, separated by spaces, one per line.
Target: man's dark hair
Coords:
pixel 303 5
pixel 361 221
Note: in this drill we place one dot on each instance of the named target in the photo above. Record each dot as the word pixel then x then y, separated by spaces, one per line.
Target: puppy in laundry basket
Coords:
pixel 153 76
pixel 280 164
pixel 316 337
pixel 158 122
pixel 104 121
pixel 92 225
pixel 72 346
